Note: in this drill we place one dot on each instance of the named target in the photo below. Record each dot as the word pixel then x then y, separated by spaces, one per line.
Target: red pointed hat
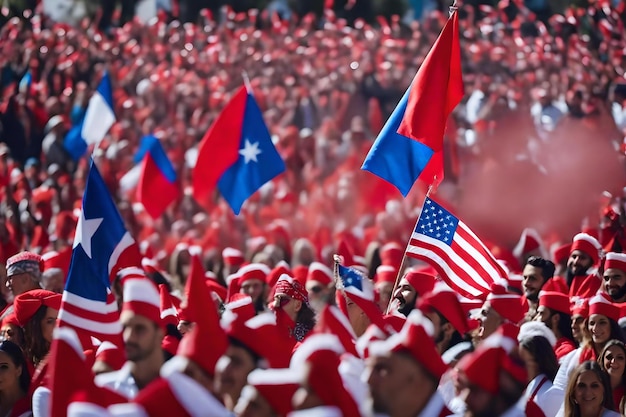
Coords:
pixel 168 311
pixel 111 354
pixel 233 257
pixel 277 386
pixel 528 242
pixel 281 267
pixel 580 306
pixel 332 321
pixel 416 338
pixel 587 244
pixel 445 301
pixel 26 305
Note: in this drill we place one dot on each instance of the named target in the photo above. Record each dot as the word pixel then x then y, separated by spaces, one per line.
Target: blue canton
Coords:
pixel 436 222
pixel 351 278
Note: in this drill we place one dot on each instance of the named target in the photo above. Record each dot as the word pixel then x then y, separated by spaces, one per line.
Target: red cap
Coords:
pixel 253 271
pixel 26 305
pixel 420 281
pixel 445 301
pixel 508 305
pixel 391 254
pixel 277 386
pixel 587 244
pixel 386 273
pixel 142 297
pixel 321 273
pixel 601 304
pixel 300 273
pixel 281 267
pixel 232 257
pixel 580 307
pixel 615 260
pixel 561 253
pixel 555 301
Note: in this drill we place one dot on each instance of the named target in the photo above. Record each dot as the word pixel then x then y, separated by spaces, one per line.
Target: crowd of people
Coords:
pixel 538 142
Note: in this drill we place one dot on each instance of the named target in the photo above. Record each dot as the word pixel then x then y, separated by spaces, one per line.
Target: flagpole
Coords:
pixel 246 81
pixel 431 188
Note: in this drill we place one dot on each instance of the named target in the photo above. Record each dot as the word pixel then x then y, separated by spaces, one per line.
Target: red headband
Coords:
pixel 291 288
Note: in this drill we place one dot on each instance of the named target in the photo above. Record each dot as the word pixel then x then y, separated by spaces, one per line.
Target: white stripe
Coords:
pixel 99 118
pixel 91 325
pixel 77 409
pixel 169 312
pixel 456 280
pixel 126 241
pixel 142 290
pixel 454 257
pixel 69 336
pixel 474 254
pixel 100 307
pixel 473 235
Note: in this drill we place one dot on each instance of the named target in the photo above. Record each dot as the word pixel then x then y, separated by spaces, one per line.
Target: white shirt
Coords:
pixel 548 398
pixel 41 402
pixel 120 381
pixel 434 406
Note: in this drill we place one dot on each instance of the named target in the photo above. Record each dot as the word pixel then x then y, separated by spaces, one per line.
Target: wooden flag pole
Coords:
pixel 431 188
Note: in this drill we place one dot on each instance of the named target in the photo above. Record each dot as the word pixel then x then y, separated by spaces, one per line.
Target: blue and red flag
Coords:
pixel 236 154
pixel 158 184
pixel 410 144
pixel 102 246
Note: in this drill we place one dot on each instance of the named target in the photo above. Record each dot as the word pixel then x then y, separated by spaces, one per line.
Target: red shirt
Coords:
pixel 563 347
pixel 585 286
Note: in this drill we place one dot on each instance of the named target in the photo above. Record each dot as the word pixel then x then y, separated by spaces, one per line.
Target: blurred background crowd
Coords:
pixel 537 141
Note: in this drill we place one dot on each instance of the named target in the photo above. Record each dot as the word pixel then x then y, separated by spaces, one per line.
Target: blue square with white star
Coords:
pixel 350 277
pixel 258 162
pixel 436 222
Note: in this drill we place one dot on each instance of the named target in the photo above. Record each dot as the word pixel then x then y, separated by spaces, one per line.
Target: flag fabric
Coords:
pixel 102 246
pixel 236 154
pixel 458 255
pixel 360 290
pixel 74 143
pixel 436 89
pixel 400 160
pixel 99 116
pixel 158 184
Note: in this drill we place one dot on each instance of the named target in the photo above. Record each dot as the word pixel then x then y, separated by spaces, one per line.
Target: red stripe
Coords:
pixel 477 264
pixel 90 315
pixel 464 232
pixel 461 274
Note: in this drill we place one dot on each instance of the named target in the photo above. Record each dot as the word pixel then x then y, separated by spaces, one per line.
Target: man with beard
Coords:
pixel 143 331
pixel 585 253
pixel 615 276
pixel 444 310
pixel 554 311
pixel 537 272
pixel 412 285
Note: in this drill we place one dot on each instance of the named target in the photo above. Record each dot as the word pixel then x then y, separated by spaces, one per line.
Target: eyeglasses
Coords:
pixel 316 290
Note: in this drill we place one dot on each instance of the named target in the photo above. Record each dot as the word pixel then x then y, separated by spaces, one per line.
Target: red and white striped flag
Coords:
pixel 458 255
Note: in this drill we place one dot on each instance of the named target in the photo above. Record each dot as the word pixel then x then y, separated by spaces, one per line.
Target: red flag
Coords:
pixel 436 90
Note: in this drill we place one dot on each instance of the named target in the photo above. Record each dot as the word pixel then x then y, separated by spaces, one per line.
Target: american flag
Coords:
pixel 101 246
pixel 458 255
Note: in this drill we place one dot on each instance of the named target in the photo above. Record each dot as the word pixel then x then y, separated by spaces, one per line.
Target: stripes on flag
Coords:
pixel 458 255
pixel 102 318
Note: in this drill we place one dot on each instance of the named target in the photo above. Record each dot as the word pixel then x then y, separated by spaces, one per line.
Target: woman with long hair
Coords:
pixel 612 360
pixel 536 350
pixel 14 381
pixel 601 326
pixel 291 306
pixel 588 392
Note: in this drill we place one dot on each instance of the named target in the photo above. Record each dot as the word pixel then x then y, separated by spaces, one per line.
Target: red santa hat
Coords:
pixel 531 329
pixel 601 304
pixel 26 305
pixel 281 267
pixel 321 352
pixel 256 271
pixel 262 336
pixel 615 260
pixel 587 244
pixel 319 272
pixel 232 257
pixel 169 314
pixel 142 297
pixel 176 395
pixel 445 301
pixel 300 273
pixel 420 281
pixel 561 253
pixel 385 273
pixel 332 321
pixel 277 386
pixel 240 308
pixel 580 307
pixel 508 305
pixel 215 287
pixel 391 254
pixel 110 354
pixel 529 241
pixel 416 338
pixel 555 301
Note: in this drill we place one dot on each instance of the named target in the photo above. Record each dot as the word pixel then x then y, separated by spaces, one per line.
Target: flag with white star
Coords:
pixel 101 241
pixel 459 256
pixel 237 154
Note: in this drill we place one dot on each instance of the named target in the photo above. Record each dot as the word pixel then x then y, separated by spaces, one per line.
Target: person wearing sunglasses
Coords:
pixel 291 306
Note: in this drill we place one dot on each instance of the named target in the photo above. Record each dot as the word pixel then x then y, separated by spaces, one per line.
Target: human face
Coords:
pixel 253 288
pixel 358 318
pixel 20 283
pixel 614 361
pixel 231 372
pixel 489 321
pixel 318 294
pixel 406 295
pixel 532 282
pixel 544 315
pixel 54 282
pixel 252 404
pixel 288 305
pixel 615 284
pixel 600 328
pixel 11 332
pixel 589 393
pixel 48 323
pixel 389 378
pixel 579 262
pixel 141 336
pixel 9 373
pixel 578 327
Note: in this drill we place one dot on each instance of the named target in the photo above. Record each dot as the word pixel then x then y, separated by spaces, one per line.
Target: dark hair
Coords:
pixel 456 337
pixel 306 316
pixel 547 267
pixel 571 408
pixel 564 325
pixel 35 346
pixel 609 344
pixel 158 279
pixel 18 359
pixel 236 343
pixel 543 354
